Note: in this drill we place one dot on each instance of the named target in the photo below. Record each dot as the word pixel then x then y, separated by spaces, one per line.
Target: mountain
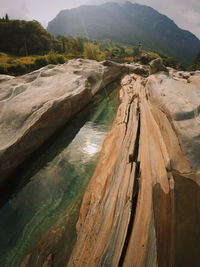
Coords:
pixel 128 23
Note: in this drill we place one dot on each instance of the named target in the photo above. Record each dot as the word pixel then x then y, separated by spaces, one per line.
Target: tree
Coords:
pixel 79 44
pixel 92 51
pixel 64 43
pixel 19 37
pixel 195 64
pixel 136 51
pixel 76 46
pixel 6 17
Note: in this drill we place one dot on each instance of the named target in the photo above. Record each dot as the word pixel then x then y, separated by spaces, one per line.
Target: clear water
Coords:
pixel 50 188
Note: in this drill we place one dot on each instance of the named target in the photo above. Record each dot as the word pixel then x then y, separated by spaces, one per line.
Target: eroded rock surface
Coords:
pixel 34 106
pixel 134 212
pixel 181 100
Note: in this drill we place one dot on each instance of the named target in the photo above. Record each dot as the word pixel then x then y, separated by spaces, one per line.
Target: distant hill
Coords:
pixel 128 23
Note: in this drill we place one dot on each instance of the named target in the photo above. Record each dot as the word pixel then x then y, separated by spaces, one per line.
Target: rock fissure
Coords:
pixel 133 159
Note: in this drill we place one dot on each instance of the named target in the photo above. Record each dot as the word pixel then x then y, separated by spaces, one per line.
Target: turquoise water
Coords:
pixel 48 195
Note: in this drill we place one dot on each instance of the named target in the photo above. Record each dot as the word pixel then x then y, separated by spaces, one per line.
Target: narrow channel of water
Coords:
pixel 50 190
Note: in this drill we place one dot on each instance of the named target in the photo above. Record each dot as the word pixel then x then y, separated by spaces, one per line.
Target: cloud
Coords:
pixel 15 9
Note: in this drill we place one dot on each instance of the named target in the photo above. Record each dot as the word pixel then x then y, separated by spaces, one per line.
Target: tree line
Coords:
pixel 195 64
pixel 22 38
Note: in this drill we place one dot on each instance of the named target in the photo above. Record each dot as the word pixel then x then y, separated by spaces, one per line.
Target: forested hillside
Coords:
pixel 21 37
pixel 196 63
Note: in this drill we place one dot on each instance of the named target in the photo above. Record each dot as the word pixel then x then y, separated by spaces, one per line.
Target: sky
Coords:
pixel 185 13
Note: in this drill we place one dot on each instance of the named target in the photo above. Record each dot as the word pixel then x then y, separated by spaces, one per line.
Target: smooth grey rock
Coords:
pixel 4 77
pixel 181 101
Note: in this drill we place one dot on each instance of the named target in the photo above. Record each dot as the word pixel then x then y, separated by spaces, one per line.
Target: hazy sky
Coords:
pixel 185 13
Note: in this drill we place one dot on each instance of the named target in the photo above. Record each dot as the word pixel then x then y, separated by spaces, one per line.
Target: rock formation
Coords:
pixel 156 65
pixel 34 106
pixel 142 207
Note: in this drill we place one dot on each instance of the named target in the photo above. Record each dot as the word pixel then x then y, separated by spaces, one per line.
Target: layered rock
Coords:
pixel 34 106
pixel 134 212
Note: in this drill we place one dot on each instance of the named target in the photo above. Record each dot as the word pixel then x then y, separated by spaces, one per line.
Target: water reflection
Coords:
pixel 86 144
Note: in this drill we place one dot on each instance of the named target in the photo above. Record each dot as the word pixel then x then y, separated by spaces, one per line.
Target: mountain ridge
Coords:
pixel 128 23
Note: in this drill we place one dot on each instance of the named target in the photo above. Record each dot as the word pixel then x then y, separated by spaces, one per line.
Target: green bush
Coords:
pixel 17 69
pixel 195 64
pixel 60 59
pixel 52 58
pixel 41 61
pixel 92 51
pixel 3 69
pixel 170 62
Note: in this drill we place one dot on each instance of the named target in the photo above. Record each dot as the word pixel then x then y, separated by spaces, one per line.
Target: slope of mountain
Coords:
pixel 128 24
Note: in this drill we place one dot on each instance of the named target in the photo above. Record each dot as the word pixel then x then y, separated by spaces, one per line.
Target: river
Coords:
pixel 40 209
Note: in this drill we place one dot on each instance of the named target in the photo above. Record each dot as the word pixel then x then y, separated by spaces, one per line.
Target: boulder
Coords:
pixel 139 69
pixel 180 100
pixel 195 80
pixel 156 65
pixel 36 105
